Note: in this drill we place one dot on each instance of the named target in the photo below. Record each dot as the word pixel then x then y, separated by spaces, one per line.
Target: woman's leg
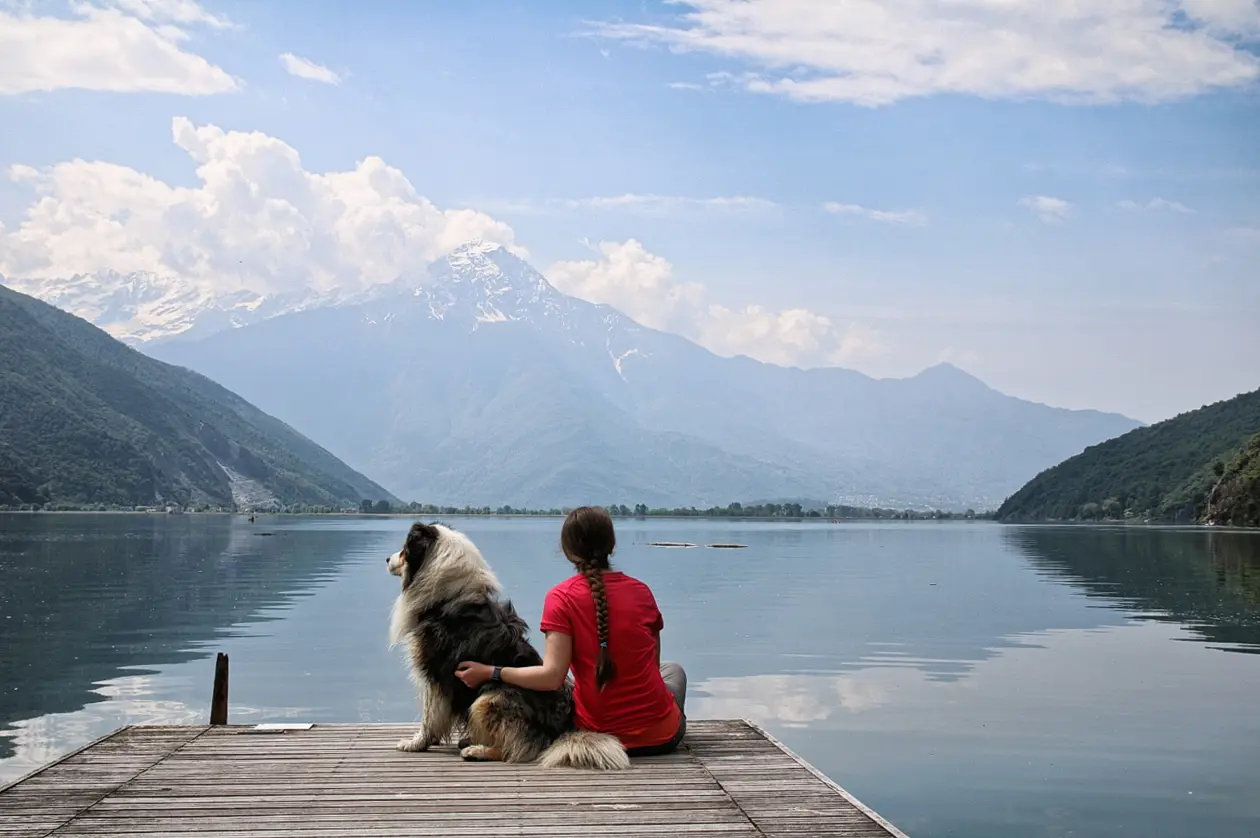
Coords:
pixel 676 679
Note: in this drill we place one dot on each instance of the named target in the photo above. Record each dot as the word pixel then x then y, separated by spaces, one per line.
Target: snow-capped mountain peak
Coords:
pixel 486 281
pixel 478 283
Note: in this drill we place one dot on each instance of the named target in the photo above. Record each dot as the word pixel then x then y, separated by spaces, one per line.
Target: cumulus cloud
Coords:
pixel 791 336
pixel 256 218
pixel 910 217
pixel 1049 210
pixel 306 69
pixel 1155 204
pixel 125 46
pixel 632 280
pixel 640 283
pixel 872 52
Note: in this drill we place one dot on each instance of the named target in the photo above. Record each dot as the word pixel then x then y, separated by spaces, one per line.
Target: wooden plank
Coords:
pixel 761 799
pixel 337 781
pixel 72 784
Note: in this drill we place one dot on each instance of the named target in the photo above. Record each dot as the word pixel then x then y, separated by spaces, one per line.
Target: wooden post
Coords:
pixel 219 698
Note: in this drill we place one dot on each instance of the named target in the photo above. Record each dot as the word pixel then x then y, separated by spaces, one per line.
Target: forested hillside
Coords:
pixel 86 420
pixel 1162 472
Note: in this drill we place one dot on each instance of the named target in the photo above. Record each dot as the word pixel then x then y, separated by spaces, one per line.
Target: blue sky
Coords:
pixel 1065 204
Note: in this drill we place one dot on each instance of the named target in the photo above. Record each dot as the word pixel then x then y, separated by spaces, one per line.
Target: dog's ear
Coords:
pixel 426 533
pixel 420 539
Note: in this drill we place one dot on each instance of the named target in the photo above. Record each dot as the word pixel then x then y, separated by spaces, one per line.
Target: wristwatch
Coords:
pixel 496 674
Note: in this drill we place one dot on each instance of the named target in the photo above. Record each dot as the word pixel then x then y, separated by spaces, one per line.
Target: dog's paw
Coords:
pixel 414 745
pixel 478 753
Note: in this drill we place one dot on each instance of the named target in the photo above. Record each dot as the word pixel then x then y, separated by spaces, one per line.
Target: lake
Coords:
pixel 962 678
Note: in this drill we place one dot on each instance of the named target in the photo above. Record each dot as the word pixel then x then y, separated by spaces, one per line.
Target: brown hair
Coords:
pixel 588 540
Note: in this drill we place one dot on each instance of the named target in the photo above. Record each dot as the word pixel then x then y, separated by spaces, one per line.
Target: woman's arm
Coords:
pixel 550 675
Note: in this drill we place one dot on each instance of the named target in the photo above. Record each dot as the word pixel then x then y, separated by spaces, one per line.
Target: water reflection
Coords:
pixel 965 679
pixel 88 596
pixel 1207 580
pixel 1122 730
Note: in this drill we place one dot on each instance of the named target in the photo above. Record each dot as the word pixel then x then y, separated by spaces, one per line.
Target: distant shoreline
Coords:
pixel 957 519
pixel 443 515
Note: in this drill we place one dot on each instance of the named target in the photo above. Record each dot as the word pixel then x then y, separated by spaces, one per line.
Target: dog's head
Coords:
pixel 408 561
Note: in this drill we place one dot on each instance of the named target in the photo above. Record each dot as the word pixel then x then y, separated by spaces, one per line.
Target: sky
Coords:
pixel 1061 198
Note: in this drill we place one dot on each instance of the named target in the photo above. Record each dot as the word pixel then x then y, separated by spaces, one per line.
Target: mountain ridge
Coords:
pixel 644 411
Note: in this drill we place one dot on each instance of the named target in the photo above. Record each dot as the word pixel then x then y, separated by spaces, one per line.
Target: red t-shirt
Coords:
pixel 635 706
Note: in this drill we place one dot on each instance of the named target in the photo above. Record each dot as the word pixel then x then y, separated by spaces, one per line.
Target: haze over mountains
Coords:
pixel 483 384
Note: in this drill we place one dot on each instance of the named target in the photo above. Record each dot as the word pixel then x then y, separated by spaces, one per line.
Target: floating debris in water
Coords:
pixel 720 546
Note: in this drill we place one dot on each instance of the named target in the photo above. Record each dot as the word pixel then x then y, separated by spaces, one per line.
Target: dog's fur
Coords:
pixel 450 610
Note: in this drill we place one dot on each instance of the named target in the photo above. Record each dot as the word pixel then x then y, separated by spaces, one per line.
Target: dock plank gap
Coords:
pixel 729 778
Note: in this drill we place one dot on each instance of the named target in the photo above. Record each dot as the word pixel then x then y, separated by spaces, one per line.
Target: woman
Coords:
pixel 605 626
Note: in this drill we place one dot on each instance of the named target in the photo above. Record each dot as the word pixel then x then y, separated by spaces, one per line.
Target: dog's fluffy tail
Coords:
pixel 586 749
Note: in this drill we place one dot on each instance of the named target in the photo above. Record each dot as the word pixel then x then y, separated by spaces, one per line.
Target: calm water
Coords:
pixel 963 679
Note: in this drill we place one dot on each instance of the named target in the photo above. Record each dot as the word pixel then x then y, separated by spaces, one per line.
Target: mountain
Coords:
pixel 141 307
pixel 1163 472
pixel 1235 497
pixel 483 384
pixel 87 420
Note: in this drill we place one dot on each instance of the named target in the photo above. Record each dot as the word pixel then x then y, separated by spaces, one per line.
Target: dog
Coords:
pixel 450 609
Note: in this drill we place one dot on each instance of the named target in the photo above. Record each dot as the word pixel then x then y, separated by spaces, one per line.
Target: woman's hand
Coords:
pixel 473 674
pixel 547 676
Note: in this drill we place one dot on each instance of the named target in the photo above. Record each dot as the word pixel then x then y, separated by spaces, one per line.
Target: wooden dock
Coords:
pixel 730 778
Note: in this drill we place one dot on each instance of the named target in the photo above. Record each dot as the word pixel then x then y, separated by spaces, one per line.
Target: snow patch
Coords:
pixel 487 314
pixel 617 359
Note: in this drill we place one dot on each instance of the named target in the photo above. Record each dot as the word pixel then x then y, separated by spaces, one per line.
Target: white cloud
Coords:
pixel 660 204
pixel 637 204
pixel 305 69
pixel 632 280
pixel 1049 210
pixel 256 219
pixel 641 284
pixel 873 52
pixel 1155 204
pixel 858 344
pixel 172 11
pixel 910 217
pixel 129 46
pixel 791 336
